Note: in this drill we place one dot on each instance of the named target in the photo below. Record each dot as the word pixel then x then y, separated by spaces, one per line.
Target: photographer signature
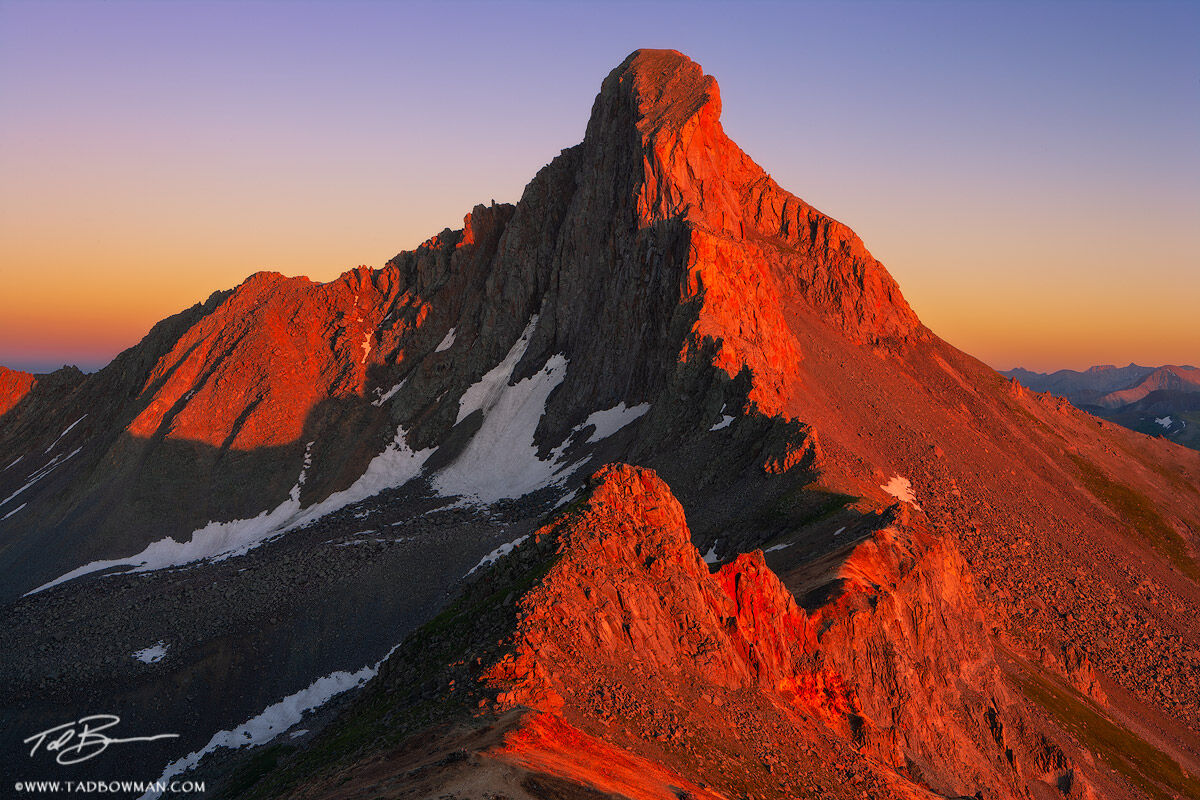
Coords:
pixel 84 738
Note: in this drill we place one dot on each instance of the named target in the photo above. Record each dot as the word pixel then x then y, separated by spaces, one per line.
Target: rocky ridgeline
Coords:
pixel 631 669
pixel 893 661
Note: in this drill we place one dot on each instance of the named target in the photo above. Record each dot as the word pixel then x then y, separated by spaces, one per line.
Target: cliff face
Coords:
pixel 630 670
pixel 756 253
pixel 891 661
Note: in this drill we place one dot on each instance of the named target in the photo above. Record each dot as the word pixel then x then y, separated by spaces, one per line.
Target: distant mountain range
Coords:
pixel 1159 401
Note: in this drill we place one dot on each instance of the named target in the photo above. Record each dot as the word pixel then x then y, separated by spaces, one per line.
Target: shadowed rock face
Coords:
pixel 921 620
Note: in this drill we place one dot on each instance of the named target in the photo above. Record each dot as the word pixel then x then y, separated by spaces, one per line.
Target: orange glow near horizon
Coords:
pixel 1061 294
pixel 1043 300
pixel 1055 297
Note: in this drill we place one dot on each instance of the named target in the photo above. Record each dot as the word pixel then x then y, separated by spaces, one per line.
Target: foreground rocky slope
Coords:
pixel 980 589
pixel 628 670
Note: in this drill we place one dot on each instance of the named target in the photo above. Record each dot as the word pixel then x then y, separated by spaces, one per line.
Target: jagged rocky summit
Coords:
pixel 354 525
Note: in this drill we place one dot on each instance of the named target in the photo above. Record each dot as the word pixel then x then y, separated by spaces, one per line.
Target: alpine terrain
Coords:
pixel 1158 401
pixel 651 485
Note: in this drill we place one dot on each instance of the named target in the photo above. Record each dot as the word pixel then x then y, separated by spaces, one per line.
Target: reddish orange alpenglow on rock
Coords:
pixel 249 374
pixel 631 581
pixel 14 386
pixel 630 600
pixel 755 248
pixel 546 743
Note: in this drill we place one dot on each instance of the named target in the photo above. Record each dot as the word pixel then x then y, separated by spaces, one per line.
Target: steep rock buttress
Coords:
pixel 890 671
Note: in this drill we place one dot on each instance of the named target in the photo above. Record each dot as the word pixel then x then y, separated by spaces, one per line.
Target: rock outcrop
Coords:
pixel 14 385
pixel 891 655
pixel 631 670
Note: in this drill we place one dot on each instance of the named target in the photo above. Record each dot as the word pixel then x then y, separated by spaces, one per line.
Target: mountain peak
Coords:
pixel 655 153
pixel 665 88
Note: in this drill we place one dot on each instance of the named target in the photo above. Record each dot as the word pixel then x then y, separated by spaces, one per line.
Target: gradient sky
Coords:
pixel 1029 173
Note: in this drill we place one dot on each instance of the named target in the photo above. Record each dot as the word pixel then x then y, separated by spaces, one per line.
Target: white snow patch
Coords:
pixel 725 422
pixel 394 467
pixel 612 420
pixel 501 460
pixel 447 342
pixel 152 654
pixel 389 394
pixel 778 547
pixel 840 531
pixel 15 510
pixel 53 464
pixel 13 464
pixel 487 392
pixel 273 720
pixel 216 541
pixel 297 733
pixel 65 432
pixel 307 462
pixel 566 498
pixel 901 489
pixel 1164 421
pixel 498 553
pixel 711 556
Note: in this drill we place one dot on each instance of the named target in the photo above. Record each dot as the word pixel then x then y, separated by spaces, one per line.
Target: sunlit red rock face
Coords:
pixel 634 672
pixel 250 374
pixel 631 639
pixel 14 385
pixel 756 252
